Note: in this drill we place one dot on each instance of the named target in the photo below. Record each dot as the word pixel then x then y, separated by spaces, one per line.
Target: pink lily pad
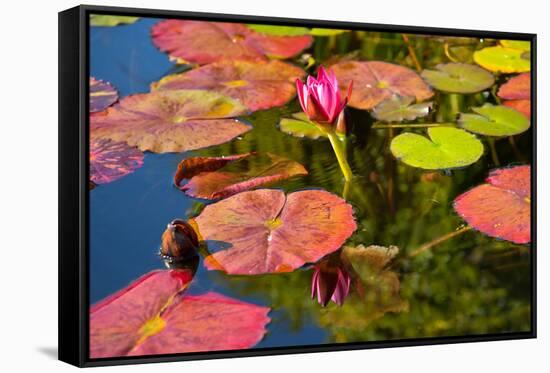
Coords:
pixel 270 232
pixel 154 316
pixel 517 92
pixel 111 160
pixel 221 177
pixel 102 95
pixel 376 81
pixel 258 85
pixel 203 42
pixel 502 207
pixel 171 121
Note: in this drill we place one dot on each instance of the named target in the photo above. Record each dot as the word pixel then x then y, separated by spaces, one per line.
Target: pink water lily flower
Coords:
pixel 330 282
pixel 320 98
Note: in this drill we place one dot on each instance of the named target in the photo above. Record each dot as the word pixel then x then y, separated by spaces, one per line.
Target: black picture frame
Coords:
pixel 74 198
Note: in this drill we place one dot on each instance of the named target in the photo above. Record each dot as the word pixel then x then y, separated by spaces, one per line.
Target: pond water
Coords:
pixel 468 285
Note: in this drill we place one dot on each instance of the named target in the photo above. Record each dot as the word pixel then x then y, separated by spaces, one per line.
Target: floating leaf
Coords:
pixel 171 121
pixel 491 120
pixel 258 85
pixel 279 30
pixel 398 109
pixel 459 78
pixel 268 232
pixel 446 148
pixel 109 21
pixel 316 31
pixel 153 316
pixel 221 177
pixel 300 126
pixel 502 59
pixel 517 88
pixel 375 81
pixel 206 42
pixel 502 207
pixel 111 160
pixel 102 95
pixel 523 106
pixel 516 44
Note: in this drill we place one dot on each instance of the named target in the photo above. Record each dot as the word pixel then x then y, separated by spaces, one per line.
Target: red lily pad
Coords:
pixel 221 177
pixel 203 42
pixel 258 85
pixel 153 316
pixel 517 88
pixel 376 81
pixel 502 207
pixel 171 121
pixel 102 95
pixel 111 160
pixel 270 232
pixel 523 106
pixel 517 92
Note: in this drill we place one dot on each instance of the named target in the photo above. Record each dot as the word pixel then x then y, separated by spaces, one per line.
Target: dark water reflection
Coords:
pixel 469 285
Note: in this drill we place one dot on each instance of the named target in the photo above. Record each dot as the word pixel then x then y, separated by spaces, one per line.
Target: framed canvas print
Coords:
pixel 234 186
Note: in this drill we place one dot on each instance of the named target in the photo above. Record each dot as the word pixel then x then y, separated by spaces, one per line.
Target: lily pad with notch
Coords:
pixel 446 148
pixel 459 78
pixel 494 120
pixel 502 59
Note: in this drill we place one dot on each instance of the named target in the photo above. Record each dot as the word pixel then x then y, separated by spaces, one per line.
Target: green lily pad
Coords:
pixel 516 44
pixel 459 78
pixel 445 148
pixel 279 30
pixel 326 31
pixel 503 59
pixel 398 109
pixel 110 21
pixel 300 126
pixel 491 120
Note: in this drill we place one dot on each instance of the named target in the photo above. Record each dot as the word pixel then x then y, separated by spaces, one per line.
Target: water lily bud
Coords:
pixel 179 241
pixel 330 282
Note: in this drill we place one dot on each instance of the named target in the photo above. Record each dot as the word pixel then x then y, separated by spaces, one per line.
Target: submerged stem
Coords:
pixel 411 52
pixel 339 147
pixel 494 154
pixel 437 241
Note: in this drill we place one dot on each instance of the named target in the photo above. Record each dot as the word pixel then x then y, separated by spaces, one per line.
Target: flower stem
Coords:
pixel 439 240
pixel 339 147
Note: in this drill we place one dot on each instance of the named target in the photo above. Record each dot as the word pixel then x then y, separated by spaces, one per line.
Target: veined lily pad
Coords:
pixel 516 44
pixel 153 316
pixel 502 207
pixel 221 177
pixel 111 160
pixel 459 78
pixel 502 59
pixel 110 21
pixel 491 120
pixel 517 88
pixel 269 232
pixel 300 126
pixel 398 109
pixel 258 85
pixel 446 148
pixel 102 95
pixel 375 81
pixel 203 42
pixel 171 121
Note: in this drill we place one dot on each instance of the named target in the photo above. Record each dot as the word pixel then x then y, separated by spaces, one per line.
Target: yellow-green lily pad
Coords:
pixel 300 126
pixel 516 44
pixel 398 109
pixel 502 59
pixel 316 31
pixel 445 148
pixel 279 30
pixel 459 78
pixel 110 21
pixel 494 120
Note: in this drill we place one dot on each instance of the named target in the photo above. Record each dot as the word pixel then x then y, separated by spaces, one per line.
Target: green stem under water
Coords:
pixel 339 147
